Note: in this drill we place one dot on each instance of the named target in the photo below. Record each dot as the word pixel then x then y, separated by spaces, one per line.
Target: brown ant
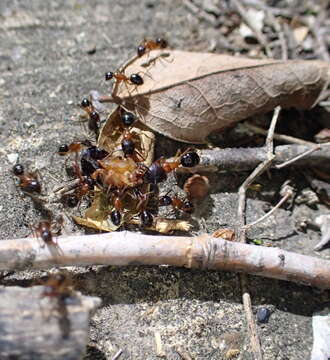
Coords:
pixel 84 187
pixel 134 79
pixel 115 215
pixel 148 45
pixel 159 169
pixel 28 182
pixel 178 204
pixel 58 287
pixel 94 117
pixel 128 146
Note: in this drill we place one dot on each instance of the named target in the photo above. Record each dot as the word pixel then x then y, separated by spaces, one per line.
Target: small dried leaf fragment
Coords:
pixel 187 95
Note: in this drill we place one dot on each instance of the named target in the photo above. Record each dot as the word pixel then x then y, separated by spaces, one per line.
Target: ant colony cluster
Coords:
pixel 120 184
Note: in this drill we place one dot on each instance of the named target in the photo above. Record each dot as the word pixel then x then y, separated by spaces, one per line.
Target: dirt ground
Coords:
pixel 51 55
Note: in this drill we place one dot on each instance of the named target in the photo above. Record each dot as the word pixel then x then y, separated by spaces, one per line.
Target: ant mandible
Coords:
pixel 28 182
pixel 148 45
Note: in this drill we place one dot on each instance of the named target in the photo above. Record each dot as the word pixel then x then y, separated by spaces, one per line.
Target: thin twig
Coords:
pixel 287 195
pixel 298 157
pixel 285 138
pixel 241 233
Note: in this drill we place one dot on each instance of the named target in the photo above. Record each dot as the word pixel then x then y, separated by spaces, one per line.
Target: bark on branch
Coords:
pixel 129 248
pixel 33 327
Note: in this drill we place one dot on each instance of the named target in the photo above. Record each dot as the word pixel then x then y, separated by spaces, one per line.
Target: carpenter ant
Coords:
pixel 58 287
pixel 73 148
pixel 43 230
pixel 128 147
pixel 115 215
pixel 148 45
pixel 146 218
pixel 28 182
pixel 94 117
pixel 158 170
pixel 89 159
pixel 134 79
pixel 183 205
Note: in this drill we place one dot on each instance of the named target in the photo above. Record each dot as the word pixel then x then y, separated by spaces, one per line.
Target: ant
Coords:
pixel 28 182
pixel 183 205
pixel 89 159
pixel 46 233
pixel 84 186
pixel 73 148
pixel 159 169
pixel 134 79
pixel 115 215
pixel 148 45
pixel 58 287
pixel 94 117
pixel 128 146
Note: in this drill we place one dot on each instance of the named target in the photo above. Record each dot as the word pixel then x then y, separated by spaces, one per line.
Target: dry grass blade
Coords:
pixel 186 95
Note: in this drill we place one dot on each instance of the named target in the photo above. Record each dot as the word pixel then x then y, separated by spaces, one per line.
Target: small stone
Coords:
pixel 263 315
pixel 12 158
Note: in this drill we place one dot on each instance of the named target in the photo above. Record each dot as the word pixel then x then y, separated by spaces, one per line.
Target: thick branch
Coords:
pixel 35 327
pixel 129 248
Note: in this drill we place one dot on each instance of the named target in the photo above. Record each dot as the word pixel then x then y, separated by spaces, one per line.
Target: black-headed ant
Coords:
pixel 93 115
pixel 28 182
pixel 159 169
pixel 134 79
pixel 115 215
pixel 148 45
pixel 178 204
pixel 89 159
pixel 59 288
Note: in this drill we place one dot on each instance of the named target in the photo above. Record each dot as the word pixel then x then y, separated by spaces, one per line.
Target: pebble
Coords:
pixel 263 315
pixel 12 158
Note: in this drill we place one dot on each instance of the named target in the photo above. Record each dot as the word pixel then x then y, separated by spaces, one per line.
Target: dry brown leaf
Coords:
pixel 186 95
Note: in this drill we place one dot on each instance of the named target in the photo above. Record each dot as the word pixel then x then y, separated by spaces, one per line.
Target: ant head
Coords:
pixel 128 147
pixel 71 201
pixel 162 43
pixel 141 50
pixel 94 115
pixel 155 174
pixel 18 169
pixel 85 103
pixel 63 149
pixel 127 118
pixel 109 75
pixel 115 217
pixel 188 207
pixel 190 159
pixel 146 218
pixel 136 79
pixel 165 200
pixel 46 235
pixel 90 182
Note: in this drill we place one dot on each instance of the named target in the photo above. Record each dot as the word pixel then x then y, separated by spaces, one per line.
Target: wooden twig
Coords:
pixel 33 327
pixel 284 138
pixel 242 159
pixel 241 232
pixel 201 252
pixel 259 35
